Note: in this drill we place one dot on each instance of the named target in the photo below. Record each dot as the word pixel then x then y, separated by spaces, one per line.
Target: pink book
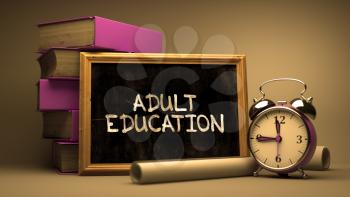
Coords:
pixel 58 94
pixel 95 32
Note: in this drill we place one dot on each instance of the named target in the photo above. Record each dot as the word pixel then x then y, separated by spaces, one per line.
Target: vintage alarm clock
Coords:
pixel 282 138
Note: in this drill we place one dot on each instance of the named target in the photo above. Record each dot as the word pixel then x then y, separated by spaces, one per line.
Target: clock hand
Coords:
pixel 278 150
pixel 278 137
pixel 278 127
pixel 265 139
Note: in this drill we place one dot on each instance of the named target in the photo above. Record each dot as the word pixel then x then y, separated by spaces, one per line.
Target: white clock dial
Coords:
pixel 278 138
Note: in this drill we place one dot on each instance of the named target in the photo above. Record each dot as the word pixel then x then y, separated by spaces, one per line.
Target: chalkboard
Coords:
pixel 160 106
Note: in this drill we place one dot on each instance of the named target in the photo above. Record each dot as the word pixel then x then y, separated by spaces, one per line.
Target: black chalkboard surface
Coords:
pixel 160 106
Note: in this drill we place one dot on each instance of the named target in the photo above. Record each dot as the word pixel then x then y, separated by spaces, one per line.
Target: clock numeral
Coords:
pixel 300 140
pixel 281 121
pixel 278 159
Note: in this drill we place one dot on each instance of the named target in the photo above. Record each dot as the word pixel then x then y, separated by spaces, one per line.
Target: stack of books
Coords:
pixel 58 89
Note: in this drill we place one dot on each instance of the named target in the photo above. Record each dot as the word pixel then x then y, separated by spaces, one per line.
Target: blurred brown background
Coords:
pixel 308 40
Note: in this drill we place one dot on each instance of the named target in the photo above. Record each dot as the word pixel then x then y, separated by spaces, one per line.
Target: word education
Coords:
pixel 171 121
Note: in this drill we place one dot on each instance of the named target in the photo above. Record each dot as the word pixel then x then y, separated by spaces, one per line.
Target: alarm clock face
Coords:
pixel 279 139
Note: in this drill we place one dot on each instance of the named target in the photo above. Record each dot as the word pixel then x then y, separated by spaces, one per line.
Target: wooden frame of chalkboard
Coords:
pixel 103 149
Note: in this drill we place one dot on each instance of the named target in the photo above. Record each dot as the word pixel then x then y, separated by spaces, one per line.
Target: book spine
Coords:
pixel 58 94
pixel 125 37
pixel 54 156
pixel 73 132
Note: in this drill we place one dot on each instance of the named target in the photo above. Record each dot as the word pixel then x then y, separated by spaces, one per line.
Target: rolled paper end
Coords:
pixel 135 173
pixel 321 159
pixel 326 158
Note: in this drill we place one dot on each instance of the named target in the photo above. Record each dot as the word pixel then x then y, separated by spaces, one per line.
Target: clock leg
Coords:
pixel 256 173
pixel 303 174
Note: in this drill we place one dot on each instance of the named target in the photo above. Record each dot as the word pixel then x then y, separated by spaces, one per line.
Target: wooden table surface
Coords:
pixel 20 181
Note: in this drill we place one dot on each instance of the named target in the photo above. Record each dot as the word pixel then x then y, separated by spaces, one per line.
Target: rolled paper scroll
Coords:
pixel 143 172
pixel 191 169
pixel 321 159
